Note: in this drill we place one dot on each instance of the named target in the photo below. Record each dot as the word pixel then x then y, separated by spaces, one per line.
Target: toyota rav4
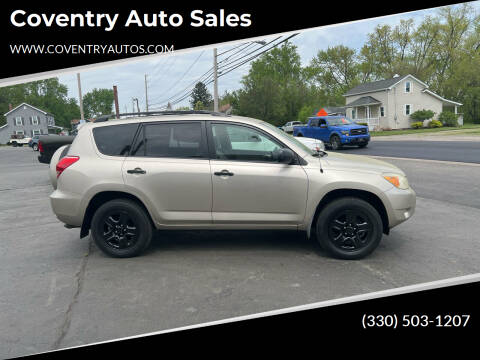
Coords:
pixel 122 179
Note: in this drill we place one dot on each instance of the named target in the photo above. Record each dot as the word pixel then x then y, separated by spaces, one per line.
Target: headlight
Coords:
pixel 344 132
pixel 399 181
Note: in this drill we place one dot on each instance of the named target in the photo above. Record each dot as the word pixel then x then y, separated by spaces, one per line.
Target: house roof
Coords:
pixel 445 101
pixel 364 100
pixel 380 85
pixel 33 107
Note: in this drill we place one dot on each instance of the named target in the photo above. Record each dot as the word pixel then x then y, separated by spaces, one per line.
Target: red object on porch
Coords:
pixel 322 112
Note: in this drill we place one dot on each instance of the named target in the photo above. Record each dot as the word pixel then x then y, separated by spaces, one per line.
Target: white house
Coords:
pixel 389 103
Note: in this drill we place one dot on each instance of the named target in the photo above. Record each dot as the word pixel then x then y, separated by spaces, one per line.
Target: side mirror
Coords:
pixel 285 156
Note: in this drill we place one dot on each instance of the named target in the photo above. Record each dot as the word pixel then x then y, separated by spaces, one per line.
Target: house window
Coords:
pixel 19 132
pixel 354 113
pixel 382 111
pixel 18 121
pixel 36 132
pixel 35 120
pixel 408 86
pixel 408 109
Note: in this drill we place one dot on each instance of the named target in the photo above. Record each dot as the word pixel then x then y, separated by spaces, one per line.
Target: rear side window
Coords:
pixel 182 140
pixel 115 140
pixel 314 122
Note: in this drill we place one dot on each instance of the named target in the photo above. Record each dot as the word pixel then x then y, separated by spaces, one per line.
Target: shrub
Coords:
pixel 417 125
pixel 448 118
pixel 435 124
pixel 421 115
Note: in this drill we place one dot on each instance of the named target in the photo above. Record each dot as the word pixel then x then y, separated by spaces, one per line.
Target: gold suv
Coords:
pixel 122 179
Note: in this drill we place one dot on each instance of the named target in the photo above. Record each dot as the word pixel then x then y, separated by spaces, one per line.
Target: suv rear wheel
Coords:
pixel 349 228
pixel 121 228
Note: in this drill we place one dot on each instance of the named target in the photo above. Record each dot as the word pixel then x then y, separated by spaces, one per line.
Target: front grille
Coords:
pixel 358 131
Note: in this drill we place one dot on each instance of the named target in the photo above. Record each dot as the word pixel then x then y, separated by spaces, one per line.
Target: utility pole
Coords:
pixel 138 108
pixel 80 97
pixel 115 97
pixel 215 81
pixel 146 93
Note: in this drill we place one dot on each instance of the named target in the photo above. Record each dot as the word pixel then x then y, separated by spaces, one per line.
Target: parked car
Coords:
pixel 121 180
pixel 313 144
pixel 47 145
pixel 18 140
pixel 334 131
pixel 288 127
pixel 33 143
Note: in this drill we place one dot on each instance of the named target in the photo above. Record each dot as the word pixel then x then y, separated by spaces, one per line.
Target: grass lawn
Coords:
pixel 467 129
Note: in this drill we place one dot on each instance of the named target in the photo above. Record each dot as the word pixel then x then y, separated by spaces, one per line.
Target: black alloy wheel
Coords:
pixel 335 143
pixel 121 228
pixel 349 228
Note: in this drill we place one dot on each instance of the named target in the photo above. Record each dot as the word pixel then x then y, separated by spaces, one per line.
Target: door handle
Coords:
pixel 137 170
pixel 223 173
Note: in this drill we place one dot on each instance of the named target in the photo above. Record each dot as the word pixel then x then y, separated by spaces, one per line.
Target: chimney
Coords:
pixel 10 107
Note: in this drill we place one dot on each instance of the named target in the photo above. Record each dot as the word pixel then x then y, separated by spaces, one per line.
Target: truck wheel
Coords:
pixel 299 135
pixel 14 144
pixel 121 228
pixel 349 228
pixel 335 142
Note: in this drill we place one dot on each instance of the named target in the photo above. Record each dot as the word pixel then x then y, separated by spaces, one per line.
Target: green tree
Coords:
pixel 274 90
pixel 200 94
pixel 335 70
pixel 49 95
pixel 98 102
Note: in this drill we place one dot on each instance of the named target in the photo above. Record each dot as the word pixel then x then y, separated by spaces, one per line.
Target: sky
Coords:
pixel 167 75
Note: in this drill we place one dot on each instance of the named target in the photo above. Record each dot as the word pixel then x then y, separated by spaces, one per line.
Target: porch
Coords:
pixel 366 110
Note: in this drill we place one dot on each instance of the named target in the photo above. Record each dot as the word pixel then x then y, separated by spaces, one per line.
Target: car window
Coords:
pixel 314 122
pixel 322 122
pixel 115 140
pixel 237 142
pixel 182 140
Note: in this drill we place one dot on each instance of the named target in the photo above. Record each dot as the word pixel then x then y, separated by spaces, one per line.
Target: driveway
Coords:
pixel 58 290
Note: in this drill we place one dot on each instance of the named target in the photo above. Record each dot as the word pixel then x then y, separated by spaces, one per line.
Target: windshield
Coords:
pixel 287 137
pixel 339 121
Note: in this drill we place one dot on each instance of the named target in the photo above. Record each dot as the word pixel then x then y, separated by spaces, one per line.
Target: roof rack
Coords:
pixel 156 113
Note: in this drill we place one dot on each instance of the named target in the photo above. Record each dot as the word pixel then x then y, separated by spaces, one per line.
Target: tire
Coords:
pixel 14 144
pixel 335 142
pixel 116 242
pixel 299 135
pixel 35 147
pixel 349 242
pixel 363 145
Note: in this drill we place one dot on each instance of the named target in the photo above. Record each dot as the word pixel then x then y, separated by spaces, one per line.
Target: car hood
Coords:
pixel 349 126
pixel 363 163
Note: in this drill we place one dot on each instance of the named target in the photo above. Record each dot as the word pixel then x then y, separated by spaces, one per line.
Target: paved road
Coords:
pixel 57 290
pixel 462 151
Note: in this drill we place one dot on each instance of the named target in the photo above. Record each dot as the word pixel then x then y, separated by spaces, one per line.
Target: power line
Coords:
pixel 233 67
pixel 209 73
pixel 184 74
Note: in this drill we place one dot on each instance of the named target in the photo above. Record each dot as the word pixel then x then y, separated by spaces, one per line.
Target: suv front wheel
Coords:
pixel 121 228
pixel 349 228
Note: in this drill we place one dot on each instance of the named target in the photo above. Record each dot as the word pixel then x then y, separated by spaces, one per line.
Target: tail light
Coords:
pixel 40 147
pixel 65 163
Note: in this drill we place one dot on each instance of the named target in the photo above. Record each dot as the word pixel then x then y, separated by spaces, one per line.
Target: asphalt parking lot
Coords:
pixel 59 291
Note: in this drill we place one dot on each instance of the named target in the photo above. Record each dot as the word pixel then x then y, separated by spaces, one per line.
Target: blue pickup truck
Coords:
pixel 334 131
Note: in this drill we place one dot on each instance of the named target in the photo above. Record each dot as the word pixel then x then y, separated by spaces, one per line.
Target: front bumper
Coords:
pixel 355 139
pixel 401 205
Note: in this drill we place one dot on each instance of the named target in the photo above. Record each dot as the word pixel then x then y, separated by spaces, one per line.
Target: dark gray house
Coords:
pixel 27 120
